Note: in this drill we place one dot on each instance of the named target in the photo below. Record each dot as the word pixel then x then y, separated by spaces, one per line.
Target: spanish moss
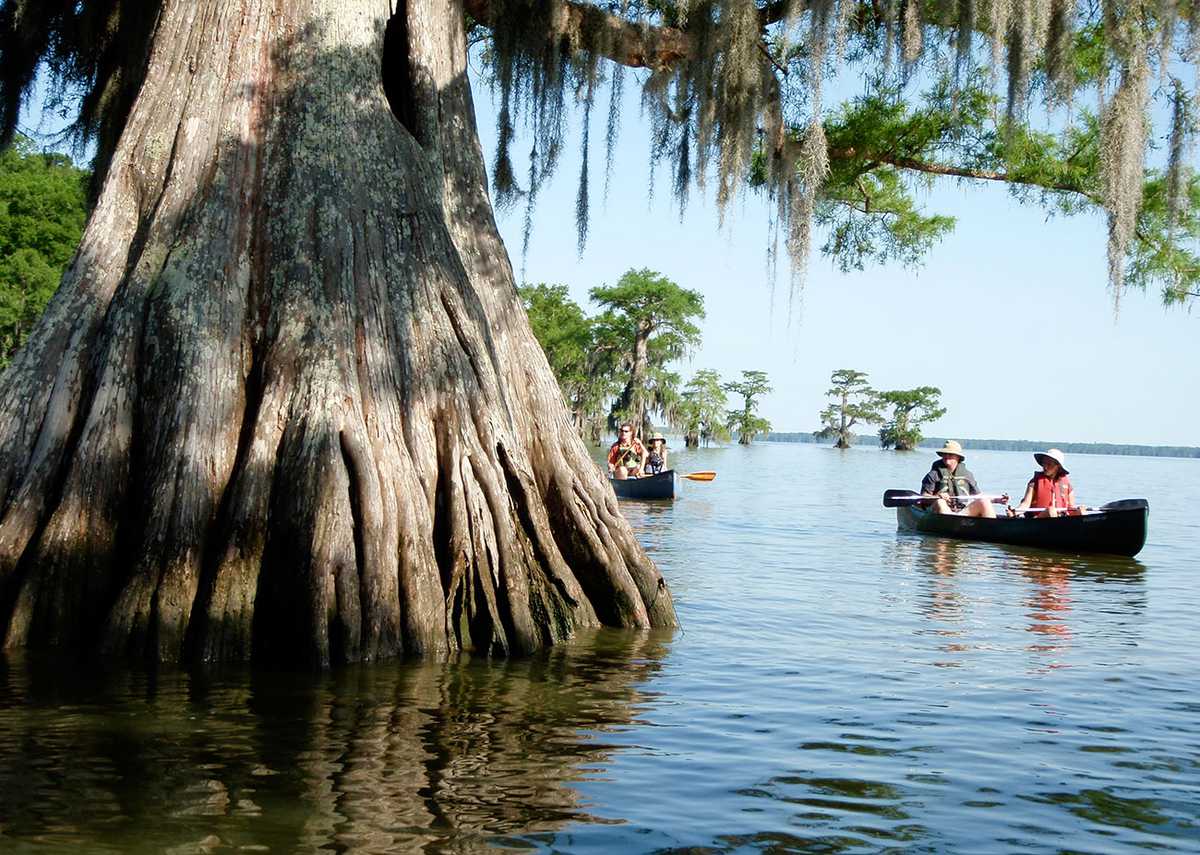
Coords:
pixel 581 195
pixel 812 167
pixel 1060 52
pixel 738 90
pixel 911 41
pixel 891 19
pixel 1020 46
pixel 964 36
pixel 999 16
pixel 612 127
pixel 1123 150
pixel 1183 130
pixel 845 13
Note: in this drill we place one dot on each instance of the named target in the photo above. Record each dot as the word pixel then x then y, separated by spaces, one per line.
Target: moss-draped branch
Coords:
pixel 959 130
pixel 734 90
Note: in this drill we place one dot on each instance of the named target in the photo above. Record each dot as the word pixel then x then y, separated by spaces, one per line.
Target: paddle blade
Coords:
pixel 896 498
pixel 701 476
pixel 1126 505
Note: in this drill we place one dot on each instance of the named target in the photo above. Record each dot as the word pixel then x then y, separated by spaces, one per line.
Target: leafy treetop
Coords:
pixel 42 211
pixel 854 402
pixel 700 414
pixel 650 320
pixel 911 408
pixel 746 422
pixel 653 303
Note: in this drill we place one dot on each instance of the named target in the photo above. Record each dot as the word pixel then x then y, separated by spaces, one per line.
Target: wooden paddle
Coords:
pixel 701 476
pixel 896 498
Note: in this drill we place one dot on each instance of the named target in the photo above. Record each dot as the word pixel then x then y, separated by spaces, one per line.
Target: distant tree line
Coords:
pixel 1020 445
pixel 615 366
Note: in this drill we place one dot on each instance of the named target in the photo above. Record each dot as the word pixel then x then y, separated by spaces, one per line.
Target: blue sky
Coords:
pixel 1047 357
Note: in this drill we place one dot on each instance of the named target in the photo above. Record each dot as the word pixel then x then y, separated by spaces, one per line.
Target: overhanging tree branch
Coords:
pixel 949 170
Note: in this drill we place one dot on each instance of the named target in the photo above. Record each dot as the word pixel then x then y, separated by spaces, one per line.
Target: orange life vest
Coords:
pixel 1049 493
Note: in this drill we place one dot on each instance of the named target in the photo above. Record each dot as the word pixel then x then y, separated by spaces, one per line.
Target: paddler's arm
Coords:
pixel 1025 502
pixel 640 451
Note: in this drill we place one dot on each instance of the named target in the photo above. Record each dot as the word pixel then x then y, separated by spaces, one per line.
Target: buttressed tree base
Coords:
pixel 286 403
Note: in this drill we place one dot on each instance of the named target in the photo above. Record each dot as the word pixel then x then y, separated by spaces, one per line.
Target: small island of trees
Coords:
pixel 855 402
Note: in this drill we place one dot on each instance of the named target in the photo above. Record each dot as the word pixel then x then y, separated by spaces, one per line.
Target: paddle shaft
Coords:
pixel 1080 508
pixel 896 498
pixel 916 500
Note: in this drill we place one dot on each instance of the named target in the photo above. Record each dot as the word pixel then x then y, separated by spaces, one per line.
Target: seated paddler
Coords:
pixel 656 457
pixel 625 456
pixel 1049 492
pixel 954 485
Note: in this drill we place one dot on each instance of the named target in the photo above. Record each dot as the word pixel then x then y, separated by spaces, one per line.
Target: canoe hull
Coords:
pixel 660 486
pixel 1116 529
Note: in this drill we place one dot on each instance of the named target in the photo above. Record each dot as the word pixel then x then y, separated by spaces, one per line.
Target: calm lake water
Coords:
pixel 836 687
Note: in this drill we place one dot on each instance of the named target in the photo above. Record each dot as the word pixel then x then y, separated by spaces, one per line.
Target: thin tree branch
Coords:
pixel 933 168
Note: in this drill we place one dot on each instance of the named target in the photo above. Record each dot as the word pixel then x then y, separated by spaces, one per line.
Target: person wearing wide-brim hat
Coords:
pixel 1049 491
pixel 656 457
pixel 951 481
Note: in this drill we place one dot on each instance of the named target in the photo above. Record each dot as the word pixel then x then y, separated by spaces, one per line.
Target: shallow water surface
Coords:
pixel 836 686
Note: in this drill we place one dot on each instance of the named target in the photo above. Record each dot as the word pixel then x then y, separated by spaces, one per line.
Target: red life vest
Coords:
pixel 1049 493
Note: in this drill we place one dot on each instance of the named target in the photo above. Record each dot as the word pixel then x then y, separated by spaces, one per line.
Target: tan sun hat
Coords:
pixel 1055 455
pixel 952 447
pixel 657 436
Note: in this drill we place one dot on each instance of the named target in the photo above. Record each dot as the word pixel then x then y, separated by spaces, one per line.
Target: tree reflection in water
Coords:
pixel 1051 599
pixel 371 758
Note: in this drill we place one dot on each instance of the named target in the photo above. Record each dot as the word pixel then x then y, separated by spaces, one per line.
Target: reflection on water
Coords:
pixel 951 568
pixel 365 759
pixel 837 686
pixel 1049 604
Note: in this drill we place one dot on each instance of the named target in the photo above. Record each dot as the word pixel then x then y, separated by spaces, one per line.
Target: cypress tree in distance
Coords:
pixel 911 408
pixel 746 423
pixel 854 402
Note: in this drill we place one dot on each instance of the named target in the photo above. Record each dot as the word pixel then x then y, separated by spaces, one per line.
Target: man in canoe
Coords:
pixel 1049 490
pixel 950 481
pixel 625 456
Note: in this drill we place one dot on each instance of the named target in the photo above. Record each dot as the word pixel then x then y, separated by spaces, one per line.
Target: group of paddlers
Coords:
pixel 629 458
pixel 1048 493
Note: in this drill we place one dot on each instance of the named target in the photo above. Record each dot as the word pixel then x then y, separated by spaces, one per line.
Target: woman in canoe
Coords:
pixel 1049 490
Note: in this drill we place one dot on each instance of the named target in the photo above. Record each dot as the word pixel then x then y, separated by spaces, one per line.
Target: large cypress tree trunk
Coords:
pixel 286 403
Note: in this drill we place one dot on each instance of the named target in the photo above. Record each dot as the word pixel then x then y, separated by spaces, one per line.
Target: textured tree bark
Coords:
pixel 286 403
